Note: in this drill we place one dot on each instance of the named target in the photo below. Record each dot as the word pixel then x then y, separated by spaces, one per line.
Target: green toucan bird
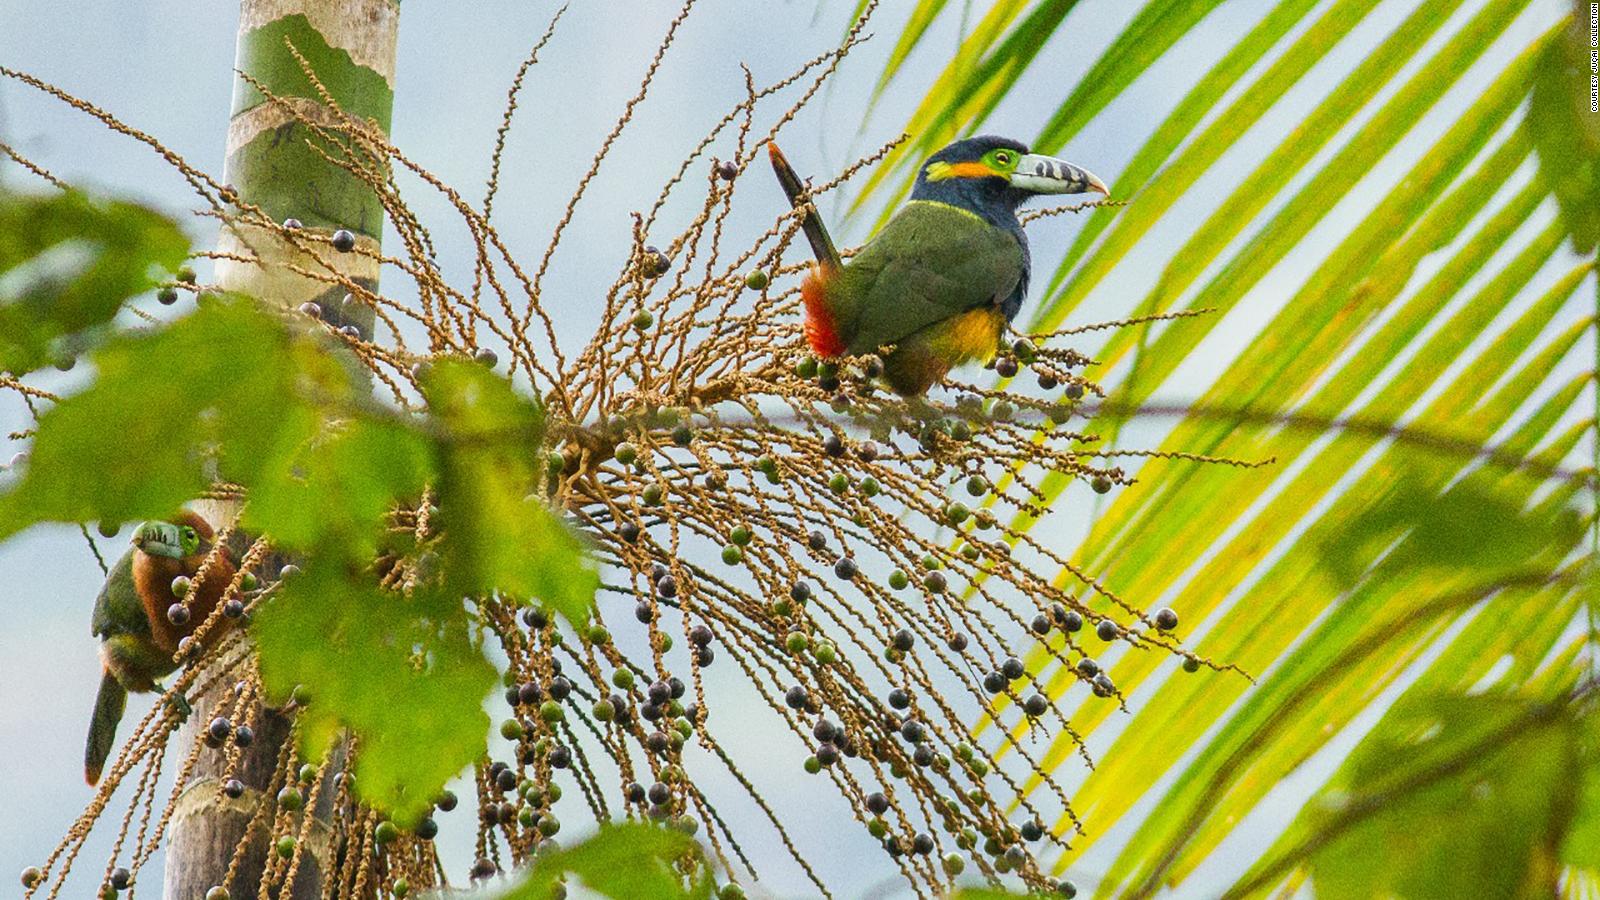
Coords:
pixel 935 287
pixel 138 638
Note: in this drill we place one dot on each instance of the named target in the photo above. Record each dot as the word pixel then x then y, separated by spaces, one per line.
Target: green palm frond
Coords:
pixel 1420 581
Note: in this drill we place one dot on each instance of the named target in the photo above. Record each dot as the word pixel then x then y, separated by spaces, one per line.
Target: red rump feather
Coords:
pixel 822 330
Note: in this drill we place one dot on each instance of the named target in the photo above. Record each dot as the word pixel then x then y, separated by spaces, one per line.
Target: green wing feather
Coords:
pixel 117 609
pixel 932 261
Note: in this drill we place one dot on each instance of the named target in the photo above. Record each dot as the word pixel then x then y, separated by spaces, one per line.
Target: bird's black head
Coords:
pixel 992 176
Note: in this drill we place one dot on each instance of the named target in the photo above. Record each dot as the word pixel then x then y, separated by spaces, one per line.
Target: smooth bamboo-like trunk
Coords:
pixel 350 45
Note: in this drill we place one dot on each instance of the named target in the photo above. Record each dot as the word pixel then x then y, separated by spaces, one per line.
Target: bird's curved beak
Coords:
pixel 1047 175
pixel 159 539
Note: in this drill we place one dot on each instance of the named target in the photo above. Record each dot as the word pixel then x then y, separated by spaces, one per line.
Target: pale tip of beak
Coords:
pixel 1098 186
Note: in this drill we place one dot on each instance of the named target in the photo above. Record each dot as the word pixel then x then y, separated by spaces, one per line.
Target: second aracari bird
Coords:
pixel 936 286
pixel 138 633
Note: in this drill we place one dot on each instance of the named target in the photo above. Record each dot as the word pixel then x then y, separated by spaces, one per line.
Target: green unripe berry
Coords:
pixel 598 634
pixel 953 864
pixel 899 580
pixel 549 825
pixel 400 888
pixel 730 891
pixel 731 554
pixel 526 817
pixel 870 487
pixel 828 370
pixel 553 791
pixel 757 280
pixel 386 833
pixel 806 368
pixel 643 319
pixel 285 846
pixel 249 582
pixel 813 765
pixel 511 729
pixel 826 653
pixel 652 494
pixel 977 485
pixel 878 828
pixel 626 453
pixel 623 679
pixel 290 799
pixel 839 483
pixel 604 711
pixel 740 535
pixel 797 642
pixel 956 513
pixel 551 712
pixel 180 586
pixel 218 892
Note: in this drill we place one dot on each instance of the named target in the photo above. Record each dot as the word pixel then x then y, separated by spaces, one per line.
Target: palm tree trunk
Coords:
pixel 273 164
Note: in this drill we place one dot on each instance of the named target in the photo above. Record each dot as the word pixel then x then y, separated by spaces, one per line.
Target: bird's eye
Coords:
pixel 1003 158
pixel 188 534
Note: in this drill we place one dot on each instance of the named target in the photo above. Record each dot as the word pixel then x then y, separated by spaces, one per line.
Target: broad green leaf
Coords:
pixel 334 494
pixel 408 681
pixel 217 385
pixel 1567 130
pixel 1471 527
pixel 500 537
pixel 67 264
pixel 1448 796
pixel 626 861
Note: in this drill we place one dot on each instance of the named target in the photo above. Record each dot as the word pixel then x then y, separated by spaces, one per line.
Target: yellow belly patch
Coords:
pixel 972 335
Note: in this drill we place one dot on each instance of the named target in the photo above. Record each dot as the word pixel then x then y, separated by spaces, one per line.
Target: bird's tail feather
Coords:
pixel 108 706
pixel 810 223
